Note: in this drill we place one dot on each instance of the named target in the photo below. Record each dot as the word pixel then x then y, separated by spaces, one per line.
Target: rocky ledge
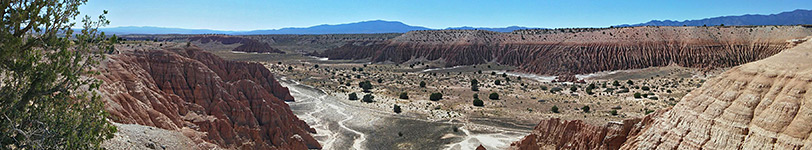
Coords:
pixel 210 100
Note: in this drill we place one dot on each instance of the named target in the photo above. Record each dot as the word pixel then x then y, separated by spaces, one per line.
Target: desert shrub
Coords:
pixel 630 82
pixel 366 85
pixel 615 83
pixel 544 88
pixel 613 112
pixel 653 98
pixel 353 96
pixel 368 98
pixel 585 109
pixel 645 88
pixel 637 95
pixel 573 88
pixel 422 84
pixel 478 102
pixel 497 82
pixel 396 109
pixel 474 85
pixel 47 100
pixel 404 95
pixel 554 109
pixel 556 89
pixel 436 96
pixel 493 96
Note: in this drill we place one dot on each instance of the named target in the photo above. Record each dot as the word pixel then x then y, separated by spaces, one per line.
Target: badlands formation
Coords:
pixel 580 51
pixel 214 102
pixel 759 105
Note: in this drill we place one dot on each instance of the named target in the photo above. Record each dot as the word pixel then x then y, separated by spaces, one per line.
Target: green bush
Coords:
pixel 544 88
pixel 613 112
pixel 554 109
pixel 585 109
pixel 474 85
pixel 46 98
pixel 436 96
pixel 638 95
pixel 404 95
pixel 368 98
pixel 353 96
pixel 493 96
pixel 497 82
pixel 478 102
pixel 396 109
pixel 645 88
pixel 422 84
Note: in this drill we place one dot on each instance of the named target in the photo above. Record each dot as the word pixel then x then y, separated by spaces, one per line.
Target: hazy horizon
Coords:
pixel 264 15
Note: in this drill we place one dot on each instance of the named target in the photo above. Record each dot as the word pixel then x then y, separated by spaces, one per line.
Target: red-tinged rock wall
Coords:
pixel 587 51
pixel 555 133
pixel 233 104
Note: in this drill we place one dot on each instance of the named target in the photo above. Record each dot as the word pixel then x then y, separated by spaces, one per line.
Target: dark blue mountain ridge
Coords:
pixel 796 17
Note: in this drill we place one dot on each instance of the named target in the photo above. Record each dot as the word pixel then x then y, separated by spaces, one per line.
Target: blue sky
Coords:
pixel 274 14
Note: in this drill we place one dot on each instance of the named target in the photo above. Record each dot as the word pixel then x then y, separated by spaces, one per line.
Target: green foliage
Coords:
pixel 368 98
pixel 422 84
pixel 366 85
pixel 493 96
pixel 436 96
pixel 45 93
pixel 404 95
pixel 544 88
pixel 638 95
pixel 615 83
pixel 476 96
pixel 316 66
pixel 585 109
pixel 630 82
pixel 474 85
pixel 573 88
pixel 645 88
pixel 556 89
pixel 613 112
pixel 478 102
pixel 497 82
pixel 396 109
pixel 353 96
pixel 554 109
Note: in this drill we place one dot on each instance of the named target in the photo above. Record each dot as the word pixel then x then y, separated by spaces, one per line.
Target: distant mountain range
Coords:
pixel 379 26
pixel 795 17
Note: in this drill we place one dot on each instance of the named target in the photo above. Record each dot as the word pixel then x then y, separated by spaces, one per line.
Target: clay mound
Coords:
pixel 759 105
pixel 231 104
pixel 248 45
pixel 580 51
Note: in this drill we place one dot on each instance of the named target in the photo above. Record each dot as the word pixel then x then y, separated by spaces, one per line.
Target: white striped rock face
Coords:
pixel 759 105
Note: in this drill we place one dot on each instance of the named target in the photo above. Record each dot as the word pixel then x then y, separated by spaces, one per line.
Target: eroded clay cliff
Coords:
pixel 759 105
pixel 231 104
pixel 578 51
